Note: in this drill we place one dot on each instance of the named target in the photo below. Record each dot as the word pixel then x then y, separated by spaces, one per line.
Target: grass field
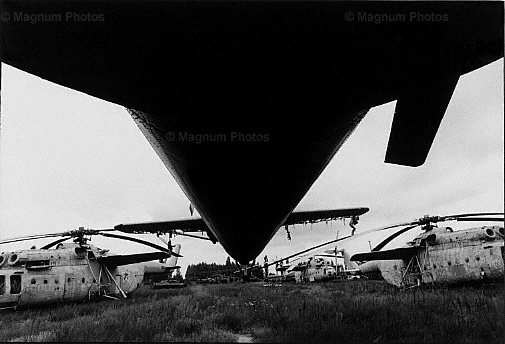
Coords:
pixel 348 311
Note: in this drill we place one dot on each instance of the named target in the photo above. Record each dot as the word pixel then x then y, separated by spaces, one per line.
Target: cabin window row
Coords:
pixel 15 283
pixel 449 263
pixel 45 281
pixel 56 281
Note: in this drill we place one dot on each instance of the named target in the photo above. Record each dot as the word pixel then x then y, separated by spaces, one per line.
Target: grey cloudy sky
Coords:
pixel 70 160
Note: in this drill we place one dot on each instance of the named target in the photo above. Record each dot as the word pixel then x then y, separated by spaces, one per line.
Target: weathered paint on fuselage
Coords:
pixel 62 274
pixel 157 271
pixel 450 257
pixel 316 269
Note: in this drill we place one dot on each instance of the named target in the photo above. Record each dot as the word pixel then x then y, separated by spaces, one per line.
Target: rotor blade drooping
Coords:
pixel 147 243
pixel 56 242
pixel 458 217
pixel 391 237
pixel 80 234
pixel 397 253
pixel 327 243
pixel 313 216
pixel 198 225
pixel 411 224
pixel 31 237
pixel 118 260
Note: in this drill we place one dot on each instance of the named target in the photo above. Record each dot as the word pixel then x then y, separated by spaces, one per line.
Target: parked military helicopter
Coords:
pixel 437 256
pixel 71 271
pixel 313 268
pixel 163 269
pixel 318 268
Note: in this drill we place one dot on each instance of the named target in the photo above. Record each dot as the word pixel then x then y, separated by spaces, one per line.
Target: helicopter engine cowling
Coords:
pixel 17 258
pixel 489 233
pixel 3 258
pixel 483 233
pixel 501 232
pixel 80 252
pixel 431 239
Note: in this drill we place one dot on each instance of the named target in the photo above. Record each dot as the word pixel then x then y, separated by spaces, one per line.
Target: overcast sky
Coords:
pixel 70 160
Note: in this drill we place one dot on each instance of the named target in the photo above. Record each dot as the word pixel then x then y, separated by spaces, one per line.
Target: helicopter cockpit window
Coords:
pixel 15 284
pixel 2 285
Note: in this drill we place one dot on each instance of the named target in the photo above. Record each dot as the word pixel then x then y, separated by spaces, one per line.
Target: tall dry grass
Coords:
pixel 362 311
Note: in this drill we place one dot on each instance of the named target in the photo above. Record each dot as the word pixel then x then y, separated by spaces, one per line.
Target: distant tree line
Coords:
pixel 205 270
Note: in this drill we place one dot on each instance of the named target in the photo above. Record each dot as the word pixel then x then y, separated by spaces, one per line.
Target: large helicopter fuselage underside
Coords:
pixel 247 102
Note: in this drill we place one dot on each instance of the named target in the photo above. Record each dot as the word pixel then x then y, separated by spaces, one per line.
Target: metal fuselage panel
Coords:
pixel 463 256
pixel 129 277
pixel 455 257
pixel 66 279
pixel 320 270
pixel 62 276
pixel 321 274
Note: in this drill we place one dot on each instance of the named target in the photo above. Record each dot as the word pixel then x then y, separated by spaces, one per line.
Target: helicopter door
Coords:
pixel 70 287
pixel 10 291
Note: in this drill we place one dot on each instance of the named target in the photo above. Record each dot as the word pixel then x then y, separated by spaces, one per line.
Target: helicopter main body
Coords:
pixel 70 272
pixel 441 256
pixel 316 269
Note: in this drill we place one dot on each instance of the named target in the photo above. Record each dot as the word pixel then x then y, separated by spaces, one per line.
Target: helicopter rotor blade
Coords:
pixel 473 214
pixel 140 241
pixel 81 232
pixel 192 236
pixel 456 217
pixel 30 237
pixel 424 220
pixel 410 225
pixel 72 233
pixel 480 219
pixel 48 246
pixel 331 242
pixel 311 248
pixel 401 224
pixel 391 237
